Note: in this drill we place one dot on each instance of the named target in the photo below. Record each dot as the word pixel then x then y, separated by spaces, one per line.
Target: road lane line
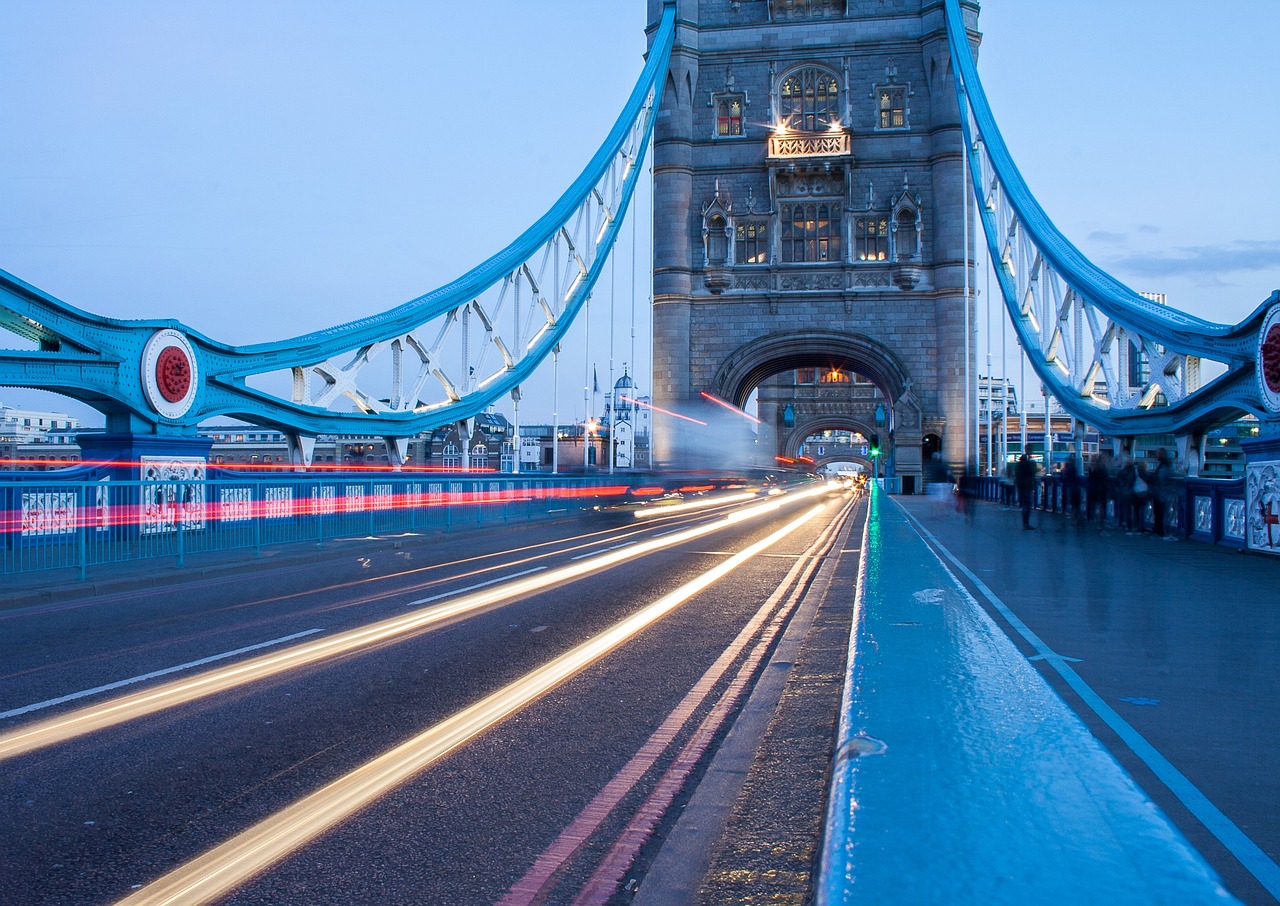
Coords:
pixel 478 585
pixel 231 863
pixel 26 709
pixel 605 550
pixel 113 712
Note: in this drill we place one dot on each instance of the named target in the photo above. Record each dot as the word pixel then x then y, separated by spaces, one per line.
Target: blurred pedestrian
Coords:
pixel 1071 486
pixel 1096 487
pixel 1157 488
pixel 1024 478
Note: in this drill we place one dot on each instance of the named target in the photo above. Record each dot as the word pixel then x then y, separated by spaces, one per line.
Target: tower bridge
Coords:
pixel 812 203
pixel 823 174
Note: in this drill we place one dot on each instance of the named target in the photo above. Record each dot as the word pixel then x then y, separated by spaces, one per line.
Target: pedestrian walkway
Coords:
pixel 1167 650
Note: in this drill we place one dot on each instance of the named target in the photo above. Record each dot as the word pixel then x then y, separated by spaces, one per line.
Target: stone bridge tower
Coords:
pixel 809 214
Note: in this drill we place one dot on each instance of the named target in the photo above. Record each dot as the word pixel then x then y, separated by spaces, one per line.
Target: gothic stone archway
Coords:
pixel 833 405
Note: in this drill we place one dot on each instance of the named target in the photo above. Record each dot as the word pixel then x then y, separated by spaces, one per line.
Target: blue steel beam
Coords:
pixel 1075 321
pixel 445 356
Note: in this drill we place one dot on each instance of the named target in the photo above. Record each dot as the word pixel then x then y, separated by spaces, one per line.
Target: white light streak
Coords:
pixel 154 674
pixel 701 503
pixel 111 713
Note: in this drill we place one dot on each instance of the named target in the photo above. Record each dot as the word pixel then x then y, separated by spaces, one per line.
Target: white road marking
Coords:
pixel 462 591
pixel 26 709
pixel 593 553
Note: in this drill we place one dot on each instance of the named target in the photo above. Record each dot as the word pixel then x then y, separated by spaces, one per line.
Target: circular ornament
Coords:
pixel 169 373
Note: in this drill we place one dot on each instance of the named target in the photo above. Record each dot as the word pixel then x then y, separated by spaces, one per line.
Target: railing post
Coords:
pixel 82 528
pixel 178 522
pixel 318 512
pixel 256 511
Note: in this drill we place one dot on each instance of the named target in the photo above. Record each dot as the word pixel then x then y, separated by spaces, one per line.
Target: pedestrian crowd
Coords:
pixel 1119 484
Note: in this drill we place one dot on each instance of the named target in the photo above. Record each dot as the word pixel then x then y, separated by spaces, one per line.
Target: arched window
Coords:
pixel 480 457
pixel 809 100
pixel 717 241
pixel 452 456
pixel 907 244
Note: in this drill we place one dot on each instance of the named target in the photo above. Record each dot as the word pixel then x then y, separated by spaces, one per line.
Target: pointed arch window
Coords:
pixel 809 100
pixel 907 235
pixel 717 241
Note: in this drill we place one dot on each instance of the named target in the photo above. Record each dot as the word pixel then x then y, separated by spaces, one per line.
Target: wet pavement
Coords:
pixel 1175 648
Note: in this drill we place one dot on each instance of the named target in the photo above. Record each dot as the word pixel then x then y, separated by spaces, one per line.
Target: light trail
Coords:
pixel 111 713
pixel 711 397
pixel 665 509
pixel 660 409
pixel 245 855
pixel 118 684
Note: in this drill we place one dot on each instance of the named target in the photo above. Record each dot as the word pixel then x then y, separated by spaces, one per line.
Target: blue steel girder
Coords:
pixel 430 362
pixel 1075 322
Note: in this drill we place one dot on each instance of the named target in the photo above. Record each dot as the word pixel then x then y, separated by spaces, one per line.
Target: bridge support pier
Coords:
pixel 138 457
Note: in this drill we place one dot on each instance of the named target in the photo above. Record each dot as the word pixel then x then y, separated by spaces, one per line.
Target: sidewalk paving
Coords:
pixel 1181 640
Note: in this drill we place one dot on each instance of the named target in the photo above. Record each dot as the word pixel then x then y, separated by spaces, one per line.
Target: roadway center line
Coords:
pixel 1249 854
pixel 26 709
pixel 604 550
pixel 463 591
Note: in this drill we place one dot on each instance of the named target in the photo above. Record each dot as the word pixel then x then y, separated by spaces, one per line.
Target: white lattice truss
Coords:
pixel 474 344
pixel 1079 326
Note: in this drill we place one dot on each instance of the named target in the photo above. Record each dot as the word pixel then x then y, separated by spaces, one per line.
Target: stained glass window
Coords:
pixel 809 101
pixel 893 108
pixel 729 116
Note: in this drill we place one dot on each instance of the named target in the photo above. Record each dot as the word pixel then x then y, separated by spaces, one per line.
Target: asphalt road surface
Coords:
pixel 495 716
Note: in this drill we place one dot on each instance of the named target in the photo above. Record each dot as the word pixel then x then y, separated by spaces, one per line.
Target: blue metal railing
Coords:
pixel 1211 510
pixel 59 524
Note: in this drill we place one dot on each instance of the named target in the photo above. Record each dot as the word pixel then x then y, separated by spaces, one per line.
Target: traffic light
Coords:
pixel 875 444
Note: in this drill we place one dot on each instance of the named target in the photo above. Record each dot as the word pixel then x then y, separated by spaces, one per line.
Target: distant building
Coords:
pixel 33 440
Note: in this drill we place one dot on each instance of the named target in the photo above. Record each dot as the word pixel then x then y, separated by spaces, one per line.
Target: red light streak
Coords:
pixel 198 516
pixel 730 406
pixel 660 409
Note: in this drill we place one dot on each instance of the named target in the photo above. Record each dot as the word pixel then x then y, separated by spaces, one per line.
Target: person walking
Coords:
pixel 1096 487
pixel 1024 479
pixel 1157 486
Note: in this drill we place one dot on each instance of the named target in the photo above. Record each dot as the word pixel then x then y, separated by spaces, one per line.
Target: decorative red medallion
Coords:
pixel 170 373
pixel 1270 355
pixel 173 373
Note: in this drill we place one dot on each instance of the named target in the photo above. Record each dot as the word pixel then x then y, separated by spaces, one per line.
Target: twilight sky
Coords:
pixel 261 169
